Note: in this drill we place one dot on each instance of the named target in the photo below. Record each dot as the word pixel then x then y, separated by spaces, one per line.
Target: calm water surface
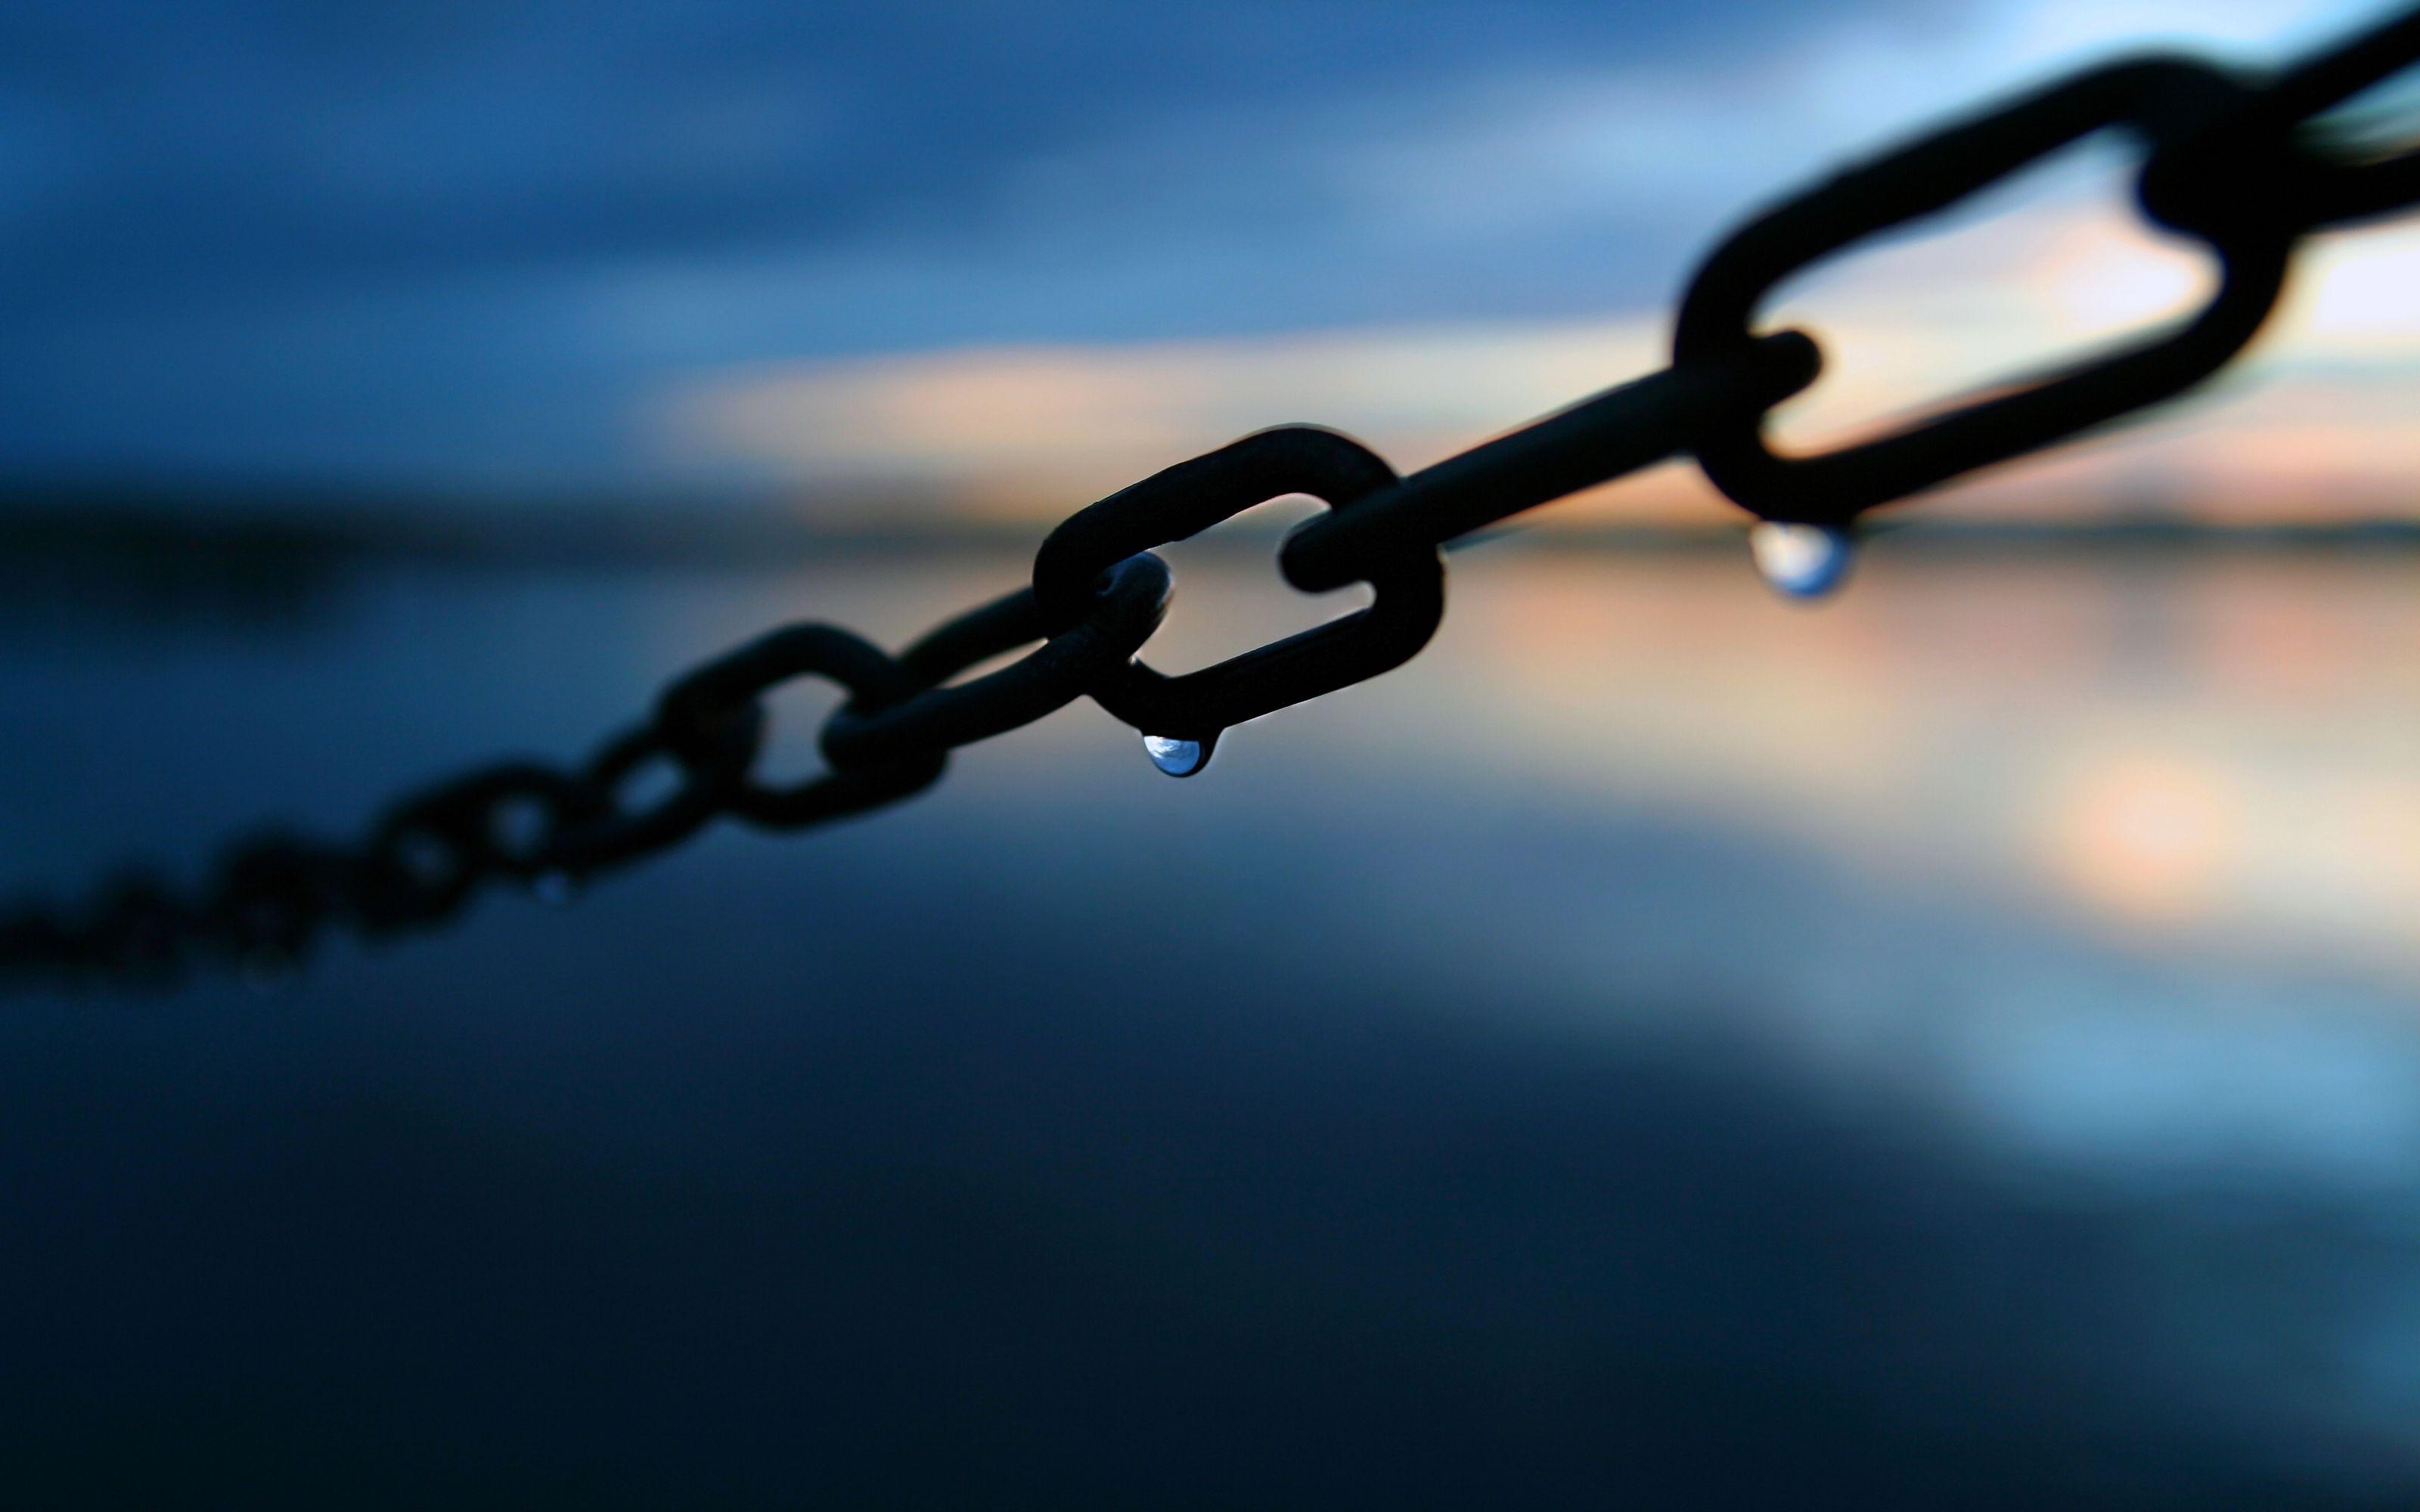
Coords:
pixel 1955 1045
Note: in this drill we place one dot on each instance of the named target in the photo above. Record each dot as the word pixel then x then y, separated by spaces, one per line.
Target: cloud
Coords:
pixel 506 234
pixel 1046 418
pixel 2317 422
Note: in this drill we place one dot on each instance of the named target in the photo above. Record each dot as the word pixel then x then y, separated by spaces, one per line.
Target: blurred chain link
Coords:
pixel 2248 165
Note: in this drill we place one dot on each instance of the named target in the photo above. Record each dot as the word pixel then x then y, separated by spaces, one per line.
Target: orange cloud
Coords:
pixel 2313 423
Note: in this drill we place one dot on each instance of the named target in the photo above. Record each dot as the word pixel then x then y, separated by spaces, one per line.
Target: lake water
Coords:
pixel 1954 1045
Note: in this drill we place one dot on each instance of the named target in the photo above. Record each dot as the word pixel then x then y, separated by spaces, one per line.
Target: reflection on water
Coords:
pixel 1952 1044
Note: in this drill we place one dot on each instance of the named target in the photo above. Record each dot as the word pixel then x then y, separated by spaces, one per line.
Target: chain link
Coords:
pixel 2248 166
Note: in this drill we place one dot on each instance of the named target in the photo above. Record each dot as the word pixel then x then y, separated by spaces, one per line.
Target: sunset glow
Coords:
pixel 2314 426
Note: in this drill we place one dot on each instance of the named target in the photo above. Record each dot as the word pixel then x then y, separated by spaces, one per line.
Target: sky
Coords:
pixel 1001 255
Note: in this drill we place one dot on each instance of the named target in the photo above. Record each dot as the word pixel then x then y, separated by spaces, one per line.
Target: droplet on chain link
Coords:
pixel 1801 561
pixel 1178 758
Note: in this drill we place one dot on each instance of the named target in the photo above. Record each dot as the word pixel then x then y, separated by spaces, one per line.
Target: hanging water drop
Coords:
pixel 1178 758
pixel 1801 561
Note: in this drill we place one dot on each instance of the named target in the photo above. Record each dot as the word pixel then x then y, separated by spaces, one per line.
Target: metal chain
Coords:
pixel 2246 165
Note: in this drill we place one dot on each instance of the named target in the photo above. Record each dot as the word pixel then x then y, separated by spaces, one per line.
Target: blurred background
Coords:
pixel 1949 1044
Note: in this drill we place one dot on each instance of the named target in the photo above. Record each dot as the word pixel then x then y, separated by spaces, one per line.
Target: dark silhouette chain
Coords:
pixel 2247 165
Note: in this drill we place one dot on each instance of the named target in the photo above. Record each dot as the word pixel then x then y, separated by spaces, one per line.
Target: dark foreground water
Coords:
pixel 1955 1048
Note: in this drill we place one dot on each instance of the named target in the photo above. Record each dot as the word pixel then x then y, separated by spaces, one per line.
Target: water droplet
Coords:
pixel 1178 758
pixel 1801 561
pixel 557 888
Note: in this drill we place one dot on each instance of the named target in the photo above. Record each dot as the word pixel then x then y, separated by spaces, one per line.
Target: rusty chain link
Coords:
pixel 2247 165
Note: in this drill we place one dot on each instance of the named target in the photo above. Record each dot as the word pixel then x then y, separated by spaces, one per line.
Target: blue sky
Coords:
pixel 499 244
